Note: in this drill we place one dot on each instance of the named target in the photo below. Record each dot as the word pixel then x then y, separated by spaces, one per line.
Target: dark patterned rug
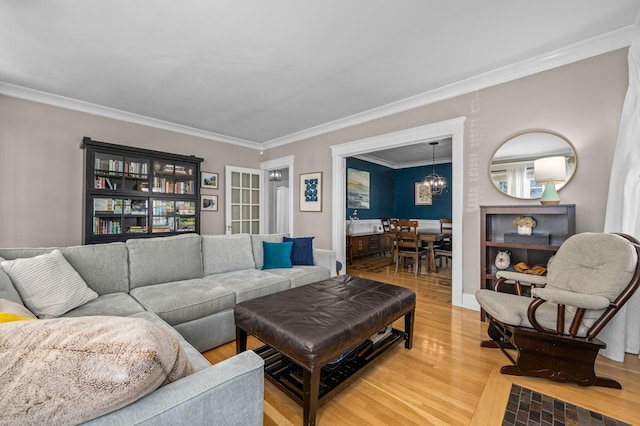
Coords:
pixel 527 407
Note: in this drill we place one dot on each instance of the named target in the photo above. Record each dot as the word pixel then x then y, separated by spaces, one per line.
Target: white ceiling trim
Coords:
pixel 586 49
pixel 397 166
pixel 116 114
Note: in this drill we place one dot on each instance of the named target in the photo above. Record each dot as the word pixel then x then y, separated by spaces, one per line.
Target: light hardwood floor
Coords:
pixel 446 378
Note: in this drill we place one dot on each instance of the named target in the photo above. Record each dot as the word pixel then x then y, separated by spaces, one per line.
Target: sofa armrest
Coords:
pixel 326 258
pixel 230 392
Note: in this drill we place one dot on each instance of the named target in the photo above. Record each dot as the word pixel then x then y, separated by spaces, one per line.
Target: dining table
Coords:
pixel 431 236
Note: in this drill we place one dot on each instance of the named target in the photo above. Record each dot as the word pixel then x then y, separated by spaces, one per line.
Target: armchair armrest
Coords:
pixel 519 278
pixel 577 303
pixel 538 280
pixel 563 297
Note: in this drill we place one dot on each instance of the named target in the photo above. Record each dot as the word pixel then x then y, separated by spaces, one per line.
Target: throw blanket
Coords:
pixel 70 370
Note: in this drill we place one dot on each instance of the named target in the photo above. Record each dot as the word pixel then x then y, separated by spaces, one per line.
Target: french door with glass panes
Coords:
pixel 244 200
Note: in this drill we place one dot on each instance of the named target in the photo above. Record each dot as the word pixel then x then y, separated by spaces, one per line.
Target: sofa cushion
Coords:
pixel 250 283
pixel 70 370
pixel 302 275
pixel 11 307
pixel 224 253
pixel 48 284
pixel 104 267
pixel 197 361
pixel 277 255
pixel 256 246
pixel 164 259
pixel 7 289
pixel 302 251
pixel 181 301
pixel 112 304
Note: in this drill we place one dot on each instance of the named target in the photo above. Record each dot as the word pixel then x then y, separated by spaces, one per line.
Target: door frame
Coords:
pixel 453 128
pixel 279 163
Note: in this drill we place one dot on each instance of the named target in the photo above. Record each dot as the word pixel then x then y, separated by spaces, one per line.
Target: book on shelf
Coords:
pixel 109 165
pixel 104 183
pixel 137 230
pixel 107 205
pixel 136 169
pixel 106 226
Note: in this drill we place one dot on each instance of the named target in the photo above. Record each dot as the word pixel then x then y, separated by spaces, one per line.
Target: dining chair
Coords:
pixel 408 244
pixel 389 232
pixel 444 250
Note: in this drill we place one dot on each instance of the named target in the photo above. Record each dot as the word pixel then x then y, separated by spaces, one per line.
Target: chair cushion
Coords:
pixel 512 309
pixel 593 263
pixel 48 284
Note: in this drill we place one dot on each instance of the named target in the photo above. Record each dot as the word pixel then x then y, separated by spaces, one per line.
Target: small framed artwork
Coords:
pixel 209 180
pixel 311 192
pixel 423 194
pixel 209 203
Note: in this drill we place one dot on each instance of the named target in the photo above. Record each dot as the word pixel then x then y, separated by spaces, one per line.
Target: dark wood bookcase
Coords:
pixel 556 221
pixel 136 193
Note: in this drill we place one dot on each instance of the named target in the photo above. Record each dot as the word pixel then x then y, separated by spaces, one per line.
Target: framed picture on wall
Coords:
pixel 311 192
pixel 423 194
pixel 358 187
pixel 209 180
pixel 209 203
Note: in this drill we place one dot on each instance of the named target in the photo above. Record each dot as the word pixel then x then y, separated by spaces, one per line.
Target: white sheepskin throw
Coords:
pixel 70 370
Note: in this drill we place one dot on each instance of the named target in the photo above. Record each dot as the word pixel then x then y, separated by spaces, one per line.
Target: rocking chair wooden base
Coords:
pixel 555 357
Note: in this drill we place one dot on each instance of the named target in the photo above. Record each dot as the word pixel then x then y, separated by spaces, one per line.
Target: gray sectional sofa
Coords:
pixel 191 283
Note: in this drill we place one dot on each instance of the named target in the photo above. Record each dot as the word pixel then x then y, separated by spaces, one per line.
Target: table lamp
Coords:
pixel 548 171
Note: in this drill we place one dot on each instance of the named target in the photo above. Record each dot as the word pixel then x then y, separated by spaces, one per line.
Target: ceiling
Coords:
pixel 264 73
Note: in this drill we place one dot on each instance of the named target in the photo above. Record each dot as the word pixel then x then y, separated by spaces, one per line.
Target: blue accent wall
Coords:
pixel 405 193
pixel 392 192
pixel 381 190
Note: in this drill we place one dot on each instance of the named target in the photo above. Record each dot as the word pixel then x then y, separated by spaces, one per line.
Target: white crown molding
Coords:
pixel 397 166
pixel 116 114
pixel 586 49
pixel 592 47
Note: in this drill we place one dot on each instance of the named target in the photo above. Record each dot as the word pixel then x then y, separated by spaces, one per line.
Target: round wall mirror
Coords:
pixel 511 167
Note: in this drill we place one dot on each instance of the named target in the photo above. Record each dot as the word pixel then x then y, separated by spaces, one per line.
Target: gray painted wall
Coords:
pixel 41 163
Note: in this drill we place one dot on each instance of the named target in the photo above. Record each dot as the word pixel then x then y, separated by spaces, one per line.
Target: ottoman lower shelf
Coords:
pixel 287 375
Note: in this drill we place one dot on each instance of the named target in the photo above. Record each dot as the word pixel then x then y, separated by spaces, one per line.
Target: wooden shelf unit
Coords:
pixel 559 221
pixel 137 193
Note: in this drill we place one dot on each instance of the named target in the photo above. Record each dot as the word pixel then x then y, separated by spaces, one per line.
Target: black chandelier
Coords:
pixel 437 183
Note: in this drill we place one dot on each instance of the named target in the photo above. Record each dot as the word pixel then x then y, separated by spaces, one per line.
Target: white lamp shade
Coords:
pixel 550 169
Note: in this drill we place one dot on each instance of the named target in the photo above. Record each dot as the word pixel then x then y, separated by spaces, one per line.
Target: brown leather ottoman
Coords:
pixel 307 329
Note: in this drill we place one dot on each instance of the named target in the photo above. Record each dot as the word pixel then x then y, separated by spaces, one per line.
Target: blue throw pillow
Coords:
pixel 302 251
pixel 277 255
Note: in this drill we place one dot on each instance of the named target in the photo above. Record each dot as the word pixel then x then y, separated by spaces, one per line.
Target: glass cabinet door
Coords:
pixel 173 178
pixel 163 218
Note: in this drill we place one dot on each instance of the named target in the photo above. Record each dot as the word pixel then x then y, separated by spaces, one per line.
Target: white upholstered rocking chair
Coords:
pixel 554 331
